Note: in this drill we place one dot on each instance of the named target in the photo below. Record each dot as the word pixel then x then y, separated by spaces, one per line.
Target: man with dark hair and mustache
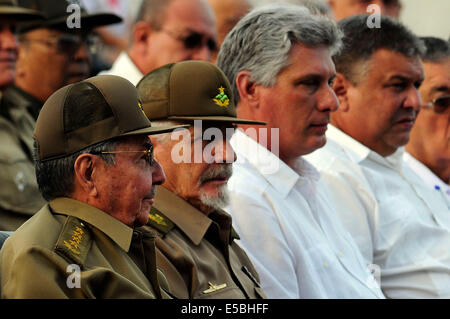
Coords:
pixel 197 247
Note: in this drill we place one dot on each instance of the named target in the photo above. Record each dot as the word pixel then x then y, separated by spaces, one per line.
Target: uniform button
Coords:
pixel 325 265
pixel 341 254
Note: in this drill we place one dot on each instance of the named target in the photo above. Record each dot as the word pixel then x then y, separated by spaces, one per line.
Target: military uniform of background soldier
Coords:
pixel 10 138
pixel 196 246
pixel 94 164
pixel 51 56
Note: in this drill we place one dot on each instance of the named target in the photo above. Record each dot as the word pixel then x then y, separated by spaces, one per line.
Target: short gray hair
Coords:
pixel 261 41
pixel 55 177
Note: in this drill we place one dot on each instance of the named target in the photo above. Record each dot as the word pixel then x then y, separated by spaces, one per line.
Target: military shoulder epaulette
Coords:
pixel 159 221
pixel 74 241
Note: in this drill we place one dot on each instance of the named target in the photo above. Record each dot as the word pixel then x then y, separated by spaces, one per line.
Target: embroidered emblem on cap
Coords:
pixel 222 99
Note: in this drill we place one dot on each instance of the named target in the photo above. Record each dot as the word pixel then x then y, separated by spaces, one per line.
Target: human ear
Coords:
pixel 248 90
pixel 340 87
pixel 84 170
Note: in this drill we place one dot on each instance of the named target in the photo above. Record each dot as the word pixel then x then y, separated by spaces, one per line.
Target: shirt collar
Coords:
pixel 277 173
pixel 357 151
pixel 124 65
pixel 425 173
pixel 189 219
pixel 120 233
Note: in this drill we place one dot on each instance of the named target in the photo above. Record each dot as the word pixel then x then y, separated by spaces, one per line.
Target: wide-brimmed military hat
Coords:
pixel 189 90
pixel 9 8
pixel 85 113
pixel 56 15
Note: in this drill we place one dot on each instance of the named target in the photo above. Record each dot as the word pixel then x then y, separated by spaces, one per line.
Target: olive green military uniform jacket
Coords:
pixel 199 254
pixel 19 194
pixel 40 259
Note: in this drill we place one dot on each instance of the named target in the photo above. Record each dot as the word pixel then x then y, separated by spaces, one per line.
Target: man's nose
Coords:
pixel 158 175
pixel 8 40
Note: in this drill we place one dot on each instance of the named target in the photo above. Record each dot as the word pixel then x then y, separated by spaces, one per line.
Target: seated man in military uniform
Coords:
pixel 196 248
pixel 95 166
pixel 52 55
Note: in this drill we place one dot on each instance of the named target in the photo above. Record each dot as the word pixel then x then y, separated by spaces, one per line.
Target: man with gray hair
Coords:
pixel 278 58
pixel 401 225
pixel 167 31
pixel 428 151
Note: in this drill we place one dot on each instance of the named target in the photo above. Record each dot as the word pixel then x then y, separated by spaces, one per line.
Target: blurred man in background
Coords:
pixel 167 31
pixel 10 16
pixel 228 13
pixel 347 8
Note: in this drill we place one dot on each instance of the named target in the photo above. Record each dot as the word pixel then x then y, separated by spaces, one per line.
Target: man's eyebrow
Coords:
pixel 439 89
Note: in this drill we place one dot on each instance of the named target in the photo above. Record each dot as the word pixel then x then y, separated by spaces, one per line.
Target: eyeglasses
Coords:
pixel 193 40
pixel 69 43
pixel 148 153
pixel 439 105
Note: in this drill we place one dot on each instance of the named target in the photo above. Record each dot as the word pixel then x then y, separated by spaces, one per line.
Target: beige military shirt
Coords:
pixel 40 259
pixel 19 193
pixel 199 254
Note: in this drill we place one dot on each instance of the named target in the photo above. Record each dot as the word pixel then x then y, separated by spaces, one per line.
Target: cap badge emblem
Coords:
pixel 141 107
pixel 222 99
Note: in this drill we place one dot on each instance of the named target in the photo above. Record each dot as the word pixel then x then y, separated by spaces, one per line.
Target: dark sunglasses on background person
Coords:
pixel 193 40
pixel 439 105
pixel 68 43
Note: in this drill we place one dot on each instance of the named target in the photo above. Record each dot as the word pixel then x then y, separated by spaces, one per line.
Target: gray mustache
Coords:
pixel 220 171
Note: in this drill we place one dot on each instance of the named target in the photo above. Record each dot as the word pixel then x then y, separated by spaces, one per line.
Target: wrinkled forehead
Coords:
pixel 387 64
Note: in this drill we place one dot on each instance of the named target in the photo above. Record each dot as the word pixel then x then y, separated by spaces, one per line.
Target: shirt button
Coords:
pixel 341 254
pixel 325 265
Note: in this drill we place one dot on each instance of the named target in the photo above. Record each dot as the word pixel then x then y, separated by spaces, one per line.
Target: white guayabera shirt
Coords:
pixel 429 178
pixel 290 230
pixel 124 67
pixel 399 223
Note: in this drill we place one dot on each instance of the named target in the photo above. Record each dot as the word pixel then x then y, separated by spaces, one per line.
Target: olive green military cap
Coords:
pixel 56 15
pixel 89 112
pixel 9 8
pixel 189 90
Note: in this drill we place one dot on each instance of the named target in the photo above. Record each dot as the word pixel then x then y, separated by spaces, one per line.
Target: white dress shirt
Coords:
pixel 430 179
pixel 124 67
pixel 290 231
pixel 399 223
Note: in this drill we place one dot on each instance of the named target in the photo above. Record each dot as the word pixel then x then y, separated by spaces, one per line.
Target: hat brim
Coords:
pixel 19 13
pixel 229 119
pixel 155 130
pixel 87 21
